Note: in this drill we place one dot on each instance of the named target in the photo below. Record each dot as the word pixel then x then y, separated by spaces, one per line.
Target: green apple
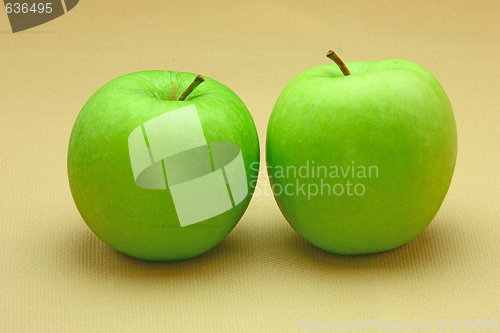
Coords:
pixel 361 155
pixel 160 169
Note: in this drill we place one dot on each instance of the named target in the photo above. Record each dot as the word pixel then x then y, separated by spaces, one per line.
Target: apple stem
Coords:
pixel 197 81
pixel 331 55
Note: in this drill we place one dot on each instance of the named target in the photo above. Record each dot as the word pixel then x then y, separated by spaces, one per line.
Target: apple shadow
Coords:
pixel 430 249
pixel 275 244
pixel 87 254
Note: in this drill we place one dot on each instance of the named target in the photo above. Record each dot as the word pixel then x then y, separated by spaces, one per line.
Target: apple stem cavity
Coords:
pixel 333 56
pixel 197 81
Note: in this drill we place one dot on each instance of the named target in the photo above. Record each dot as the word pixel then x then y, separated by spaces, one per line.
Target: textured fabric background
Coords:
pixel 56 276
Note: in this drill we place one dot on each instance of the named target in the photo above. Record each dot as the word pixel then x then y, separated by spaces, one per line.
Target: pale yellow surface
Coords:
pixel 56 276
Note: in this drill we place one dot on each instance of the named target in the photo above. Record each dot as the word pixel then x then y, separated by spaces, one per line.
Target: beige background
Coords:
pixel 56 276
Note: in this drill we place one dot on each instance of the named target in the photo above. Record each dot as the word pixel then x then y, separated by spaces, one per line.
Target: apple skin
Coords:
pixel 392 114
pixel 143 222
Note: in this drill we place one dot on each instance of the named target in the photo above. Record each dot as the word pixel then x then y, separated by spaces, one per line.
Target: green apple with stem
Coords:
pixel 160 163
pixel 361 155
